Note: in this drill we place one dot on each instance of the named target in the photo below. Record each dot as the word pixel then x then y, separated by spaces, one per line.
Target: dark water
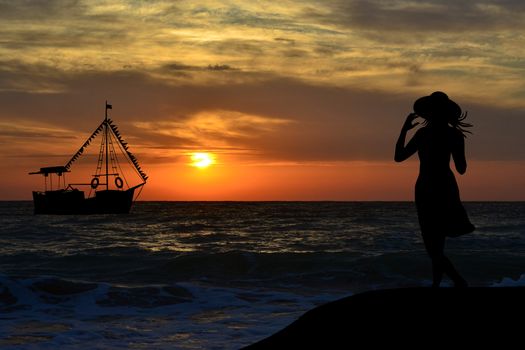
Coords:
pixel 177 275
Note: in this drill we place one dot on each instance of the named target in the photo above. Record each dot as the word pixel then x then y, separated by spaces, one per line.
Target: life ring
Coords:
pixel 94 183
pixel 118 182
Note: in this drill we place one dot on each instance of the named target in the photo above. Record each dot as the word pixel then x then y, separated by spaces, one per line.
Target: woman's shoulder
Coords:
pixel 422 131
pixel 453 132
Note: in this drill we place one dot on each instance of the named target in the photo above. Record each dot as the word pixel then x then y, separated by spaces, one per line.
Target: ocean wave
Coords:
pixel 203 275
pixel 16 293
pixel 135 266
pixel 510 282
pixel 51 312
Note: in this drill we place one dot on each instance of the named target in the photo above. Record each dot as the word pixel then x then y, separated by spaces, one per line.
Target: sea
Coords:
pixel 221 275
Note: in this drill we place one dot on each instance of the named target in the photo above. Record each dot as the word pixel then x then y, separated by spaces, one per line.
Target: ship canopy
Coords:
pixel 51 170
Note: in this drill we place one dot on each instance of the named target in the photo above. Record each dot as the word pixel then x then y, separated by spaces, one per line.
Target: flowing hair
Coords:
pixel 459 124
pixel 437 107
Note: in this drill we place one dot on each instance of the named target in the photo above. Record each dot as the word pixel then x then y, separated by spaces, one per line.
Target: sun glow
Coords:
pixel 202 160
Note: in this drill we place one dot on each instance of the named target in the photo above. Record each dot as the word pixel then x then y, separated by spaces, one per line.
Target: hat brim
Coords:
pixel 427 106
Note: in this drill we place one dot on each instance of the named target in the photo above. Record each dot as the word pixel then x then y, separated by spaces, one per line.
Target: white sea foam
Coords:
pixel 214 317
pixel 509 282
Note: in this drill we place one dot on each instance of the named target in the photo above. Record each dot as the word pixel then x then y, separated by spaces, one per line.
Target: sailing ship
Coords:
pixel 109 191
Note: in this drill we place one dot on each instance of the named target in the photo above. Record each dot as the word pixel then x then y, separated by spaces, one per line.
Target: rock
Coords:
pixel 423 317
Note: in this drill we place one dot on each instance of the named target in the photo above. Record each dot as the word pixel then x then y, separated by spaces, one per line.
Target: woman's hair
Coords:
pixel 459 124
pixel 439 108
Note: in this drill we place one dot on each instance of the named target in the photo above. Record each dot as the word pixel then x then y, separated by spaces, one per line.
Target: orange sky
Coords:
pixel 297 100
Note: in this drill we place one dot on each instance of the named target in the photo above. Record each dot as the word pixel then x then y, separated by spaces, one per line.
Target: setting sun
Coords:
pixel 202 160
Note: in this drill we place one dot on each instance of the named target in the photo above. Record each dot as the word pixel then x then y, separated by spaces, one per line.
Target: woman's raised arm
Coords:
pixel 403 152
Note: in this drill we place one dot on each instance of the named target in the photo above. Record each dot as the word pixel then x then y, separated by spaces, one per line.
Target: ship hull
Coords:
pixel 70 202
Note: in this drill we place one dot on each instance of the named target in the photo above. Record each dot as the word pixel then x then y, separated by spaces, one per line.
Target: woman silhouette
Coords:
pixel 439 207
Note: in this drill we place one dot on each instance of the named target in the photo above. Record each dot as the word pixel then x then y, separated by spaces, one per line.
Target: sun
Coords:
pixel 202 159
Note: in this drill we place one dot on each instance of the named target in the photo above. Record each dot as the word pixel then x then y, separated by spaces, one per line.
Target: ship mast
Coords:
pixel 109 129
pixel 106 139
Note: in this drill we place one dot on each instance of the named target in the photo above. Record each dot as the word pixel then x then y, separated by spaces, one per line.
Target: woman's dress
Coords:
pixel 438 203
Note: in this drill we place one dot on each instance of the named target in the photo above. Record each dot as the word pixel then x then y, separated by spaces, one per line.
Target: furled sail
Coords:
pixel 116 133
pixel 84 146
pixel 124 145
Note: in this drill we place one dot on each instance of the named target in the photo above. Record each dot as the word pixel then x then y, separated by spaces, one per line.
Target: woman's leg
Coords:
pixel 454 275
pixel 435 246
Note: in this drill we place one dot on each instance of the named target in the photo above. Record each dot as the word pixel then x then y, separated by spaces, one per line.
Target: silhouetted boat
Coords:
pixel 113 199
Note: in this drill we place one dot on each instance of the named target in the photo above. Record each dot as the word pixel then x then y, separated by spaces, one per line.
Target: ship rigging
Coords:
pixel 103 198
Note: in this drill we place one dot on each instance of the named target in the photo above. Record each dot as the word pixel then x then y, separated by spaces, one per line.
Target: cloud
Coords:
pixel 342 74
pixel 29 9
pixel 39 78
pixel 24 140
pixel 276 17
pixel 30 130
pixel 238 46
pixel 219 67
pixel 57 23
pixel 177 67
pixel 268 120
pixel 285 40
pixel 217 130
pixel 426 16
pixel 381 45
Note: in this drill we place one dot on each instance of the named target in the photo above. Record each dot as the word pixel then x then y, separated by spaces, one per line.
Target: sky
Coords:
pixel 296 100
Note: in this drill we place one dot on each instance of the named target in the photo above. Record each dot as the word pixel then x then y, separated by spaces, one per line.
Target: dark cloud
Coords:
pixel 79 36
pixel 41 155
pixel 426 15
pixel 326 123
pixel 190 72
pixel 18 133
pixel 285 40
pixel 328 49
pixel 296 53
pixel 497 133
pixel 59 24
pixel 219 67
pixel 237 46
pixel 17 76
pixel 36 10
pixel 185 67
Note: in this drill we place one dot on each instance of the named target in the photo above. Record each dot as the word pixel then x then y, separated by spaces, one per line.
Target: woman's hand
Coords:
pixel 409 122
pixel 403 152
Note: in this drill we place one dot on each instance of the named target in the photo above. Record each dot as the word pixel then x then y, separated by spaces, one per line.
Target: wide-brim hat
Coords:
pixel 437 104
